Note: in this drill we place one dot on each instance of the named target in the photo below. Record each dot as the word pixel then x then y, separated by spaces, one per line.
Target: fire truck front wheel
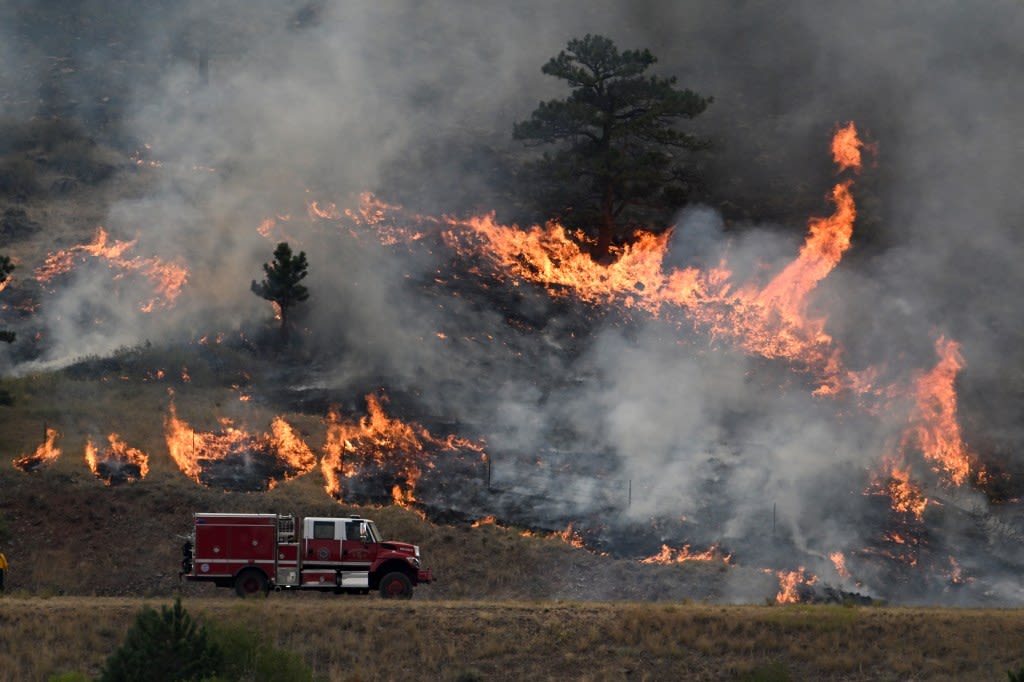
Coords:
pixel 396 586
pixel 251 582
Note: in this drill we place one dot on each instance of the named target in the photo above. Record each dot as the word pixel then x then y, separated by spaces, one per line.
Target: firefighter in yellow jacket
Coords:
pixel 3 570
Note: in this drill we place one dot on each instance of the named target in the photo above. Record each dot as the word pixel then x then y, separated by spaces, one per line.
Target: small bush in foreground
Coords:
pixel 163 647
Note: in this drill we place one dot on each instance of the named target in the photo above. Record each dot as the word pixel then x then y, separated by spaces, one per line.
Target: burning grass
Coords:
pixel 136 395
pixel 383 458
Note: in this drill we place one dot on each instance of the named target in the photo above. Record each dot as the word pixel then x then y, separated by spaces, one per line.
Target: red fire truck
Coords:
pixel 255 553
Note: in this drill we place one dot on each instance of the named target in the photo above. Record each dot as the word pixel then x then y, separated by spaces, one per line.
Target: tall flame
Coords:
pixel 191 449
pixel 377 442
pixel 934 426
pixel 117 461
pixel 839 561
pixel 933 431
pixel 43 456
pixel 790 583
pixel 846 148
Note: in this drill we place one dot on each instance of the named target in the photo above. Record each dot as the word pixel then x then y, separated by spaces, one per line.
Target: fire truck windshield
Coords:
pixel 374 533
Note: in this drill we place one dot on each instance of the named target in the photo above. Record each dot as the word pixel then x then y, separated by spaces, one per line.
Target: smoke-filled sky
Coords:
pixel 323 100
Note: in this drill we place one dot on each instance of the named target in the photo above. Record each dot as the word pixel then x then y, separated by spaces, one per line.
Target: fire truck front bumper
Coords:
pixel 425 575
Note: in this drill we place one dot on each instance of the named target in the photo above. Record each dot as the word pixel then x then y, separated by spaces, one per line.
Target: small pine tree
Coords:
pixel 163 647
pixel 282 283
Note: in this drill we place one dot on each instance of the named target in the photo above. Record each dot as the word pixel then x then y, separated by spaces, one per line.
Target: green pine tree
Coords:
pixel 282 283
pixel 163 647
pixel 616 154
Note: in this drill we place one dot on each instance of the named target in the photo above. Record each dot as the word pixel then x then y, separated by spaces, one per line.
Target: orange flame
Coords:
pixel 117 461
pixel 328 211
pixel 846 148
pixel 839 561
pixel 44 455
pixel 190 449
pixel 667 555
pixel 932 430
pixel 935 427
pixel 167 278
pixel 769 320
pixel 371 211
pixel 772 319
pixel 571 536
pixel 272 228
pixel 905 495
pixel 378 442
pixel 956 574
pixel 789 585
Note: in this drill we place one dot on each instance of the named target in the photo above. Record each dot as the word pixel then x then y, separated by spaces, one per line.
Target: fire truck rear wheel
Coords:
pixel 251 582
pixel 396 586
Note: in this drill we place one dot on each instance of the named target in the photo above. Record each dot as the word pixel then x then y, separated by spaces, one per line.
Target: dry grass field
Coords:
pixel 356 639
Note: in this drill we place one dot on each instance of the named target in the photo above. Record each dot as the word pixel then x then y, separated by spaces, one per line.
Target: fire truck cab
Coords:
pixel 255 553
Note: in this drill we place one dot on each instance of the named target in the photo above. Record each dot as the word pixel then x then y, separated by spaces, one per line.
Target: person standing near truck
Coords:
pixel 3 570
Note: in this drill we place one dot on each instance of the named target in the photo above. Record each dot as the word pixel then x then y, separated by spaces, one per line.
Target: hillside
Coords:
pixel 66 533
pixel 791 384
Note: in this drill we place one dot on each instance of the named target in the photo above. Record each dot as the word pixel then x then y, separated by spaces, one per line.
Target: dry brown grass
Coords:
pixel 353 639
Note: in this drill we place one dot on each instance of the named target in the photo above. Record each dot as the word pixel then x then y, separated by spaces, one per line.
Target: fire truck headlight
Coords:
pixel 415 561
